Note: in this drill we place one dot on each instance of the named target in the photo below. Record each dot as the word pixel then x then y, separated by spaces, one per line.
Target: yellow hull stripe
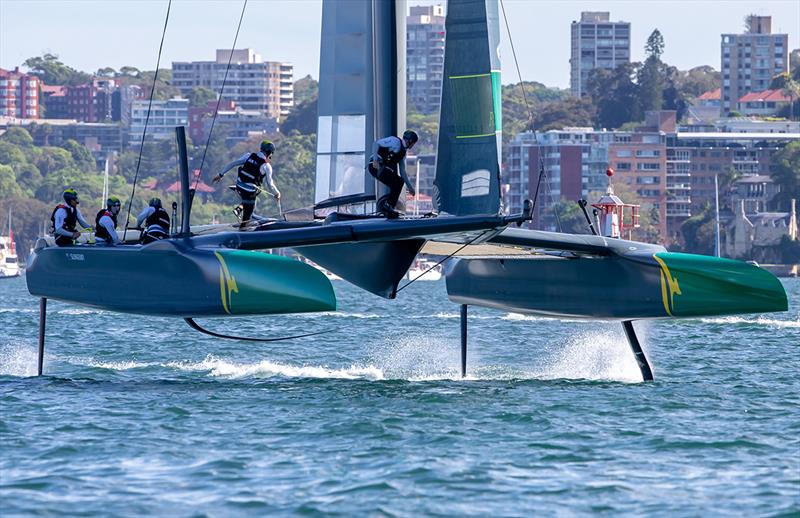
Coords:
pixel 668 283
pixel 227 284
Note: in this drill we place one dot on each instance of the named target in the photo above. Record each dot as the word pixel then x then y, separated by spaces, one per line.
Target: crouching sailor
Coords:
pixel 65 218
pixel 106 219
pixel 254 169
pixel 155 221
pixel 387 165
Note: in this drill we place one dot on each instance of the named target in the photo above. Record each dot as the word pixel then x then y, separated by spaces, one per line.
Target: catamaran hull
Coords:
pixel 167 279
pixel 645 285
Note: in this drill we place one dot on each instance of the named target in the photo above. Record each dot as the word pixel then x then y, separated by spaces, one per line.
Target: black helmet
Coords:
pixel 113 200
pixel 267 147
pixel 411 137
pixel 155 202
pixel 70 194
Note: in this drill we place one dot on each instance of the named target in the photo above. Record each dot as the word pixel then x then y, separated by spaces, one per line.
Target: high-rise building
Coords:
pixel 253 84
pixel 164 116
pixel 750 60
pixel 19 94
pixel 425 57
pixel 597 43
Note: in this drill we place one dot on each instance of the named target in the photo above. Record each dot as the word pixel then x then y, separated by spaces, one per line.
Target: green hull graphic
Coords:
pixel 257 283
pixel 699 285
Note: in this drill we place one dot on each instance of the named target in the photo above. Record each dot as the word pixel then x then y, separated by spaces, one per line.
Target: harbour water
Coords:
pixel 143 416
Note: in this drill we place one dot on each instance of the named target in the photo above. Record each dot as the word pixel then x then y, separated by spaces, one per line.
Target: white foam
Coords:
pixel 18 360
pixel 121 366
pixel 222 368
pixel 598 354
pixel 18 310
pixel 760 321
pixel 75 311
pixel 419 358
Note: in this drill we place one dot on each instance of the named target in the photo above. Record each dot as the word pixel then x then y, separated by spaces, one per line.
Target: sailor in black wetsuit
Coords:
pixel 254 169
pixel 65 219
pixel 155 221
pixel 106 223
pixel 387 165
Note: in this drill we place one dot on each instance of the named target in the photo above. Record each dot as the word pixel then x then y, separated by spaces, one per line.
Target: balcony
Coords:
pixel 671 200
pixel 678 213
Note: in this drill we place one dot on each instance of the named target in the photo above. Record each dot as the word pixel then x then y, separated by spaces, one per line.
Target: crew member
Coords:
pixel 65 218
pixel 254 169
pixel 387 165
pixel 106 223
pixel 155 220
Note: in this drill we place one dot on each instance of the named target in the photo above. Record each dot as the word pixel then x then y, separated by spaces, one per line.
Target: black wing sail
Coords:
pixel 470 125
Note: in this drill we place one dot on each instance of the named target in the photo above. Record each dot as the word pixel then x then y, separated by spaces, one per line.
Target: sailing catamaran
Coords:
pixel 361 98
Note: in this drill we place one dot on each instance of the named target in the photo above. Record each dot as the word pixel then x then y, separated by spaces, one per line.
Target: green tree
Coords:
pixel 571 217
pixel 81 155
pixel 106 72
pixel 52 71
pixel 302 118
pixel 787 174
pixel 18 136
pixel 129 71
pixel 427 127
pixel 570 111
pixel 201 96
pixel 8 183
pixel 305 89
pixel 11 154
pixel 53 160
pixel 650 78
pixel 28 177
pixel 615 95
pixel 698 232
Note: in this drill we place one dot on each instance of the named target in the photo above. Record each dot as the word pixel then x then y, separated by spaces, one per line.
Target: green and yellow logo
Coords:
pixel 227 284
pixel 669 286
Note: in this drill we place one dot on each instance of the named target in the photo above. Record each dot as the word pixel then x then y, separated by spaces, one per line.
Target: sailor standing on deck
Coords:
pixel 65 218
pixel 387 165
pixel 106 219
pixel 254 169
pixel 155 220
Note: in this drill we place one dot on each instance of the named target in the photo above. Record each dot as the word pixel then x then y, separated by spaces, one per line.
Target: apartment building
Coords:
pixel 596 43
pixel 19 94
pixel 253 84
pixel 750 60
pixel 164 116
pixel 425 57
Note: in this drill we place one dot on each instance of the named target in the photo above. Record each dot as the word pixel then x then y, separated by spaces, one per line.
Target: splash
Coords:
pixel 18 360
pixel 121 366
pixel 759 321
pixel 218 367
pixel 598 354
pixel 419 358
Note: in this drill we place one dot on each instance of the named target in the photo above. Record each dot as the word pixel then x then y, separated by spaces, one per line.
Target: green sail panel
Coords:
pixel 470 121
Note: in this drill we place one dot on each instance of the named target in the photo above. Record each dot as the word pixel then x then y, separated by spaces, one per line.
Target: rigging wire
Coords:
pixel 401 288
pixel 219 99
pixel 146 121
pixel 530 121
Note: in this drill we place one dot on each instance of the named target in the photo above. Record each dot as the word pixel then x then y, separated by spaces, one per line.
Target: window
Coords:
pixel 623 153
pixel 648 167
pixel 623 166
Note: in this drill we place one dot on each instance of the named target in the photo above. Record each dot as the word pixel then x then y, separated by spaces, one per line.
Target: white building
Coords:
pixel 239 124
pixel 597 43
pixel 266 86
pixel 425 57
pixel 164 116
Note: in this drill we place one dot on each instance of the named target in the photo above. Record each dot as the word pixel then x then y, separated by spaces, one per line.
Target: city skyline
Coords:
pixel 215 23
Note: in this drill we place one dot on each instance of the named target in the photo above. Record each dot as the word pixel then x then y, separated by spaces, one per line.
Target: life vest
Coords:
pixel 391 159
pixel 160 218
pixel 250 171
pixel 70 222
pixel 100 231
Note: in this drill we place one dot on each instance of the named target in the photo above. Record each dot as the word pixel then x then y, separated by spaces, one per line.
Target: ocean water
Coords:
pixel 143 416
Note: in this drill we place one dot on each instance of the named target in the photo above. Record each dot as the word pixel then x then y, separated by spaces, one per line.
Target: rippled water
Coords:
pixel 143 416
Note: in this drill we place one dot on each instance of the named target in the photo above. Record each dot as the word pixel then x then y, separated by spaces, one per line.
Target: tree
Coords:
pixel 570 111
pixel 8 183
pixel 305 89
pixel 698 80
pixel 789 87
pixel 201 96
pixel 427 127
pixel 571 217
pixel 787 174
pixel 106 72
pixel 51 71
pixel 80 154
pixel 129 71
pixel 18 136
pixel 615 95
pixel 515 110
pixel 794 64
pixel 650 78
pixel 302 118
pixel 698 232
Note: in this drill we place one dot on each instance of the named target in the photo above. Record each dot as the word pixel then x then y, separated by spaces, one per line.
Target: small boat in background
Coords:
pixel 9 262
pixel 424 270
